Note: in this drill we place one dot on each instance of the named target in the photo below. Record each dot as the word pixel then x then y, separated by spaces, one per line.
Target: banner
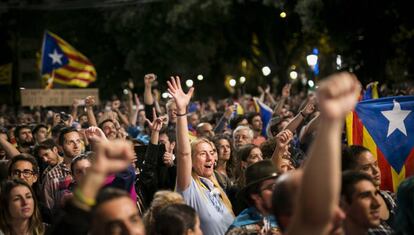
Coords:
pixel 55 97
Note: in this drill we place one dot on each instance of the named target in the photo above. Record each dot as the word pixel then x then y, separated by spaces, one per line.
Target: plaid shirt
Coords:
pixel 385 227
pixel 56 186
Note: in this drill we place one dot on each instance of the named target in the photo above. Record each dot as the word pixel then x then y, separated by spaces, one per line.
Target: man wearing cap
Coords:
pixel 257 219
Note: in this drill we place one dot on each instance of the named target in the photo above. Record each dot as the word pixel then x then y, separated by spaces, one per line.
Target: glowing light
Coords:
pixel 293 75
pixel 266 70
pixel 282 14
pixel 312 60
pixel 189 83
pixel 242 79
pixel 311 83
pixel 200 77
pixel 232 82
pixel 166 95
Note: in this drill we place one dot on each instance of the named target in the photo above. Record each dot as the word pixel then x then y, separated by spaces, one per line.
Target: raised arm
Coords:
pixel 133 114
pixel 320 189
pixel 148 80
pixel 89 103
pixel 155 126
pixel 74 111
pixel 300 117
pixel 184 163
pixel 282 101
pixel 282 147
pixel 11 151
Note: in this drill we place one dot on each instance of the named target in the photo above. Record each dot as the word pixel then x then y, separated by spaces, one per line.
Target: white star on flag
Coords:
pixel 396 117
pixel 56 57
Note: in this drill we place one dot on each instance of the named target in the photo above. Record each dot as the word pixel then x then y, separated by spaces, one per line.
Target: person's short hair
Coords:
pixel 283 197
pixel 240 128
pixel 175 219
pixel 57 129
pixel 45 145
pixel 108 194
pixel 85 156
pixel 169 133
pixel 23 157
pixel 349 179
pixel 250 116
pixel 100 125
pixel 169 102
pixel 268 147
pixel 350 156
pixel 404 216
pixel 19 128
pixel 63 132
pixel 161 199
pixel 236 120
pixel 38 126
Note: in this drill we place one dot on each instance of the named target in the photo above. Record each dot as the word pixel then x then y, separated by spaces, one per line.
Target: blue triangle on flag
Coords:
pixel 393 143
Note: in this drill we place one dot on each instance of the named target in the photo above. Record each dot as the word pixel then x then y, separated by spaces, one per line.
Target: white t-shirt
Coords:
pixel 215 218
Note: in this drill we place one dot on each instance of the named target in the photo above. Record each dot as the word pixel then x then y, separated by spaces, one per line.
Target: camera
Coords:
pixel 64 116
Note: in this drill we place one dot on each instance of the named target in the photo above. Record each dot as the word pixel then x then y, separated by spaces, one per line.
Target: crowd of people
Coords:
pixel 196 167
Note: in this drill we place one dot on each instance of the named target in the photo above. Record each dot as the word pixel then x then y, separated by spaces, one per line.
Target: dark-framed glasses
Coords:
pixel 26 173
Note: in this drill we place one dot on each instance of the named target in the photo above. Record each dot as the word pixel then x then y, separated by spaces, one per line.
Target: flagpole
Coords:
pixel 50 81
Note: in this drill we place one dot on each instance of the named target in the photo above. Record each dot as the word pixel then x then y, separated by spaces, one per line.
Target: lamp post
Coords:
pixel 312 60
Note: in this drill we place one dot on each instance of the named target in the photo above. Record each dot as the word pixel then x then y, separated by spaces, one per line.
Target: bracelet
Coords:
pixel 81 198
pixel 181 115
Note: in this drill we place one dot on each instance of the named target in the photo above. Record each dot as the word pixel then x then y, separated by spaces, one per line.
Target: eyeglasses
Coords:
pixel 25 173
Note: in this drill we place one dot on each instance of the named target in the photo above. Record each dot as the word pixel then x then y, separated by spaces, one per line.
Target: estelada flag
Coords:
pixel 386 127
pixel 63 64
pixel 265 113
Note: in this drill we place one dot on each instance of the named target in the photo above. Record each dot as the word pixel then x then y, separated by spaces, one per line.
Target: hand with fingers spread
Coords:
pixel 338 95
pixel 156 123
pixel 95 135
pixel 181 99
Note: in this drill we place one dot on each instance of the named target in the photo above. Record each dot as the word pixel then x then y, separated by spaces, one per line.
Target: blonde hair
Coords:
pixel 161 199
pixel 213 179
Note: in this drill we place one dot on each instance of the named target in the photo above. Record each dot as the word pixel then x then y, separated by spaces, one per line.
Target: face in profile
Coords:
pixel 363 208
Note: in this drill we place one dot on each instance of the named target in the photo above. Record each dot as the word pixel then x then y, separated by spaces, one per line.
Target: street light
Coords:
pixel 189 83
pixel 293 75
pixel 266 70
pixel 338 62
pixel 242 79
pixel 200 77
pixel 312 60
pixel 282 14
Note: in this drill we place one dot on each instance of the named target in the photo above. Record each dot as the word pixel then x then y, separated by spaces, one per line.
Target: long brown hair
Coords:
pixel 36 226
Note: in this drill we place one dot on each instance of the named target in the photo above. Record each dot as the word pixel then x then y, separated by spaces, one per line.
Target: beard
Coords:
pixel 26 144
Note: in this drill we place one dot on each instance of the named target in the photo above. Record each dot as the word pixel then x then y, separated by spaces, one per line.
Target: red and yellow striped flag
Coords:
pixel 63 64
